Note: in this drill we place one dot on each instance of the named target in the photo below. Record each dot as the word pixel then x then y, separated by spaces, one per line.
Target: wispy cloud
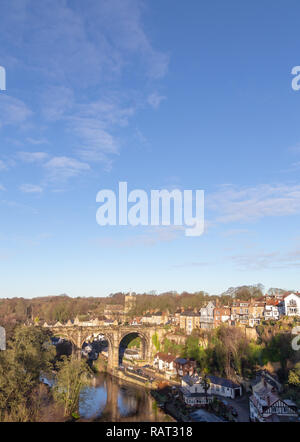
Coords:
pixel 13 111
pixel 267 260
pixel 155 99
pixel 18 206
pixel 235 232
pixel 32 157
pixel 76 48
pixel 37 141
pixel 151 237
pixel 62 168
pixel 57 169
pixel 57 101
pixel 31 188
pixel 232 204
pixel 62 42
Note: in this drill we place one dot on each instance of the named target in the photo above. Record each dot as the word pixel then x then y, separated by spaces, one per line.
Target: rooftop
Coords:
pixel 223 382
pixel 165 357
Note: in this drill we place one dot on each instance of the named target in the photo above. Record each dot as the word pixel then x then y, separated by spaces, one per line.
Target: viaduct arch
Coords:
pixel 77 335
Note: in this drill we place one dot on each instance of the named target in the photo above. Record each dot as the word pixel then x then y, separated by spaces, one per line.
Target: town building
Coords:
pixel 192 391
pixel 269 378
pixel 165 363
pixel 114 311
pixel 217 386
pixel 224 387
pixel 256 312
pixel 272 310
pixel 130 303
pixel 221 315
pixel 185 366
pixel 240 312
pixel 207 316
pixel 266 405
pixel 132 354
pixel 291 304
pixel 175 319
pixel 136 321
pixel 275 296
pixel 189 320
pixel 156 318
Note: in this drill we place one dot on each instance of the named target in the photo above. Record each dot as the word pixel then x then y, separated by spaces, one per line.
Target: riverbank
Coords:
pixel 133 379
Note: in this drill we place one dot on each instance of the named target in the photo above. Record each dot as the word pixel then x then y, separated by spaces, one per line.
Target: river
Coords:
pixel 110 399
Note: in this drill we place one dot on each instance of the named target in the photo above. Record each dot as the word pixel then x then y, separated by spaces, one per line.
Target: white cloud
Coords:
pixel 93 125
pixel 232 204
pixel 37 141
pixel 82 43
pixel 2 188
pixel 268 260
pixel 96 140
pixel 13 111
pixel 32 157
pixel 80 52
pixel 153 236
pixel 31 188
pixel 62 168
pixel 155 99
pixel 234 232
pixel 57 101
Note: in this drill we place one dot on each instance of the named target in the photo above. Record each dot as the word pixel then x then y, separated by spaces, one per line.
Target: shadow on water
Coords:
pixel 110 399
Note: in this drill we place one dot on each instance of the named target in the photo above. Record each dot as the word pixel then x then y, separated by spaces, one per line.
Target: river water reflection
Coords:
pixel 110 399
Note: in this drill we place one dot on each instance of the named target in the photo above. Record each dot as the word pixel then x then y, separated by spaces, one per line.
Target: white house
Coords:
pixel 131 354
pixel 208 310
pixel 271 311
pixel 224 387
pixel 194 399
pixel 267 406
pixel 207 316
pixel 219 386
pixel 165 362
pixel 291 305
pixel 192 391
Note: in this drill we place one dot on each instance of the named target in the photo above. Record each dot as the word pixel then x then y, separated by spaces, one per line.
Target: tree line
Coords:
pixel 61 308
pixel 23 397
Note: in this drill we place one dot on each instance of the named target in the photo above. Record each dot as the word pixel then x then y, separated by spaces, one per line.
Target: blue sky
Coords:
pixel 188 95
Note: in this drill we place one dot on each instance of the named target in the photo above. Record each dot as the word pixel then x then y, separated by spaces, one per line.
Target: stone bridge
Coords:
pixel 78 334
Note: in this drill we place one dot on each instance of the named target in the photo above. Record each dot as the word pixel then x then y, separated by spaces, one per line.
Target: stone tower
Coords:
pixel 130 303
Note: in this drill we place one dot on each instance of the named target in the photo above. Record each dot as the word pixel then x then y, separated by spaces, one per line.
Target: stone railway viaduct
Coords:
pixel 78 334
